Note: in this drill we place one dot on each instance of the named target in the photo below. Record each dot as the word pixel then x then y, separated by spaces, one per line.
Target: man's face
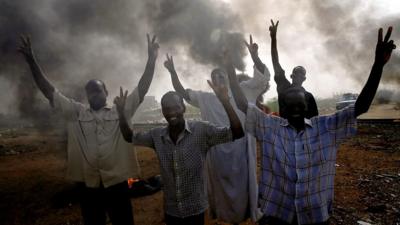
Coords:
pixel 96 94
pixel 219 77
pixel 173 110
pixel 298 75
pixel 295 104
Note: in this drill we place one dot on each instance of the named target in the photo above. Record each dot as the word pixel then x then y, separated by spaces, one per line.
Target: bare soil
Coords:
pixel 32 167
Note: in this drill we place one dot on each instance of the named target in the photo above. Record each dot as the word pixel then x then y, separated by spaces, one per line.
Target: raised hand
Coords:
pixel 220 90
pixel 252 47
pixel 273 29
pixel 169 63
pixel 384 47
pixel 120 101
pixel 25 47
pixel 152 46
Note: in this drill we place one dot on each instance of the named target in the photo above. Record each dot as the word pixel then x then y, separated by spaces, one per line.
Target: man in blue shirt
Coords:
pixel 299 154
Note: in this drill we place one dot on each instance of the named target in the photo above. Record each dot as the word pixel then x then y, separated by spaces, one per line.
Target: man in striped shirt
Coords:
pixel 299 154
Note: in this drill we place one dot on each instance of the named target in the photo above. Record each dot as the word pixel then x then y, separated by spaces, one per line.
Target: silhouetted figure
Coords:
pixel 298 77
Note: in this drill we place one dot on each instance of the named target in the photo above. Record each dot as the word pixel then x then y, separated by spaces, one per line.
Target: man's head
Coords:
pixel 298 76
pixel 218 76
pixel 173 108
pixel 294 104
pixel 96 93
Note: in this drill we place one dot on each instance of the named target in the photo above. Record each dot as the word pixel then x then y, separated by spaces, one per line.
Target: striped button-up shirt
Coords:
pixel 182 164
pixel 298 168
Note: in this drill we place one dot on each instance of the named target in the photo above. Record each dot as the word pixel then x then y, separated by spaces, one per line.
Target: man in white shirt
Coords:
pixel 99 158
pixel 230 167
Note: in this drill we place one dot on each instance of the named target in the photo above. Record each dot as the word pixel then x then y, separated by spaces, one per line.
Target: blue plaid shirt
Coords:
pixel 298 169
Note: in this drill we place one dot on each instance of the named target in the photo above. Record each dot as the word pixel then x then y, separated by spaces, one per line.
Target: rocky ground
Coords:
pixel 32 166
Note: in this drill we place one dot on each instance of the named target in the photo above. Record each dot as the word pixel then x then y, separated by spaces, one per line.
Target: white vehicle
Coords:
pixel 346 100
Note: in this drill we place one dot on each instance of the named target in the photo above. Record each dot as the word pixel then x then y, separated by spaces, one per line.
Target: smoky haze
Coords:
pixel 75 41
pixel 78 40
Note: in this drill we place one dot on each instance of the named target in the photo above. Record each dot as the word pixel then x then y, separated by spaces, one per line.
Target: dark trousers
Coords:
pixel 114 201
pixel 269 220
pixel 190 220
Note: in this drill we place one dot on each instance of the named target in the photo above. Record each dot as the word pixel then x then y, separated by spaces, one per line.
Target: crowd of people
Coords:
pixel 211 164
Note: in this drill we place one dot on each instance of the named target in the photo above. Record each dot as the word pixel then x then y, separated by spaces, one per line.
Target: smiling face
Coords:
pixel 173 108
pixel 96 94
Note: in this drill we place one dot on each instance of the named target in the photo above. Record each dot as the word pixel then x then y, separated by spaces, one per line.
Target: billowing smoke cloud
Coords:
pixel 349 35
pixel 333 40
pixel 207 28
pixel 77 40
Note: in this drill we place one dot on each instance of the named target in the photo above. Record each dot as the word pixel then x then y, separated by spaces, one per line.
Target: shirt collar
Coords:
pixel 285 122
pixel 166 133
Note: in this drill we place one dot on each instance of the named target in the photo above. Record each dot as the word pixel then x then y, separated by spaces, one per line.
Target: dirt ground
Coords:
pixel 32 167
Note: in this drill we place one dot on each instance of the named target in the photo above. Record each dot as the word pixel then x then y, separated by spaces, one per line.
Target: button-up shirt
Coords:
pixel 97 152
pixel 298 168
pixel 182 164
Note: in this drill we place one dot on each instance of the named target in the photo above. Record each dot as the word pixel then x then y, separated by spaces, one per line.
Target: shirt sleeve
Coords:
pixel 194 97
pixel 342 124
pixel 257 122
pixel 258 84
pixel 132 103
pixel 217 135
pixel 143 139
pixel 68 107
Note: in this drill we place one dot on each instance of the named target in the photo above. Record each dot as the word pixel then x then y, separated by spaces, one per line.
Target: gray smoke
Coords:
pixel 349 38
pixel 207 28
pixel 78 40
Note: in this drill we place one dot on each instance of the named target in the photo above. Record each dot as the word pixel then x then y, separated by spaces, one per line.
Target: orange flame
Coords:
pixel 131 181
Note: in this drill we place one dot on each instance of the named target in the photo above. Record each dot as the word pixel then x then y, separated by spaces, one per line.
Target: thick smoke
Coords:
pixel 334 40
pixel 349 35
pixel 76 40
pixel 207 28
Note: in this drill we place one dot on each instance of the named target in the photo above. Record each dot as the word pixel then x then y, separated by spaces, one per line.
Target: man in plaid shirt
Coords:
pixel 181 148
pixel 299 154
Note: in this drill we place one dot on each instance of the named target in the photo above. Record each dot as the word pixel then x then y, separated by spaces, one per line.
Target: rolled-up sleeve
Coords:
pixel 258 84
pixel 217 135
pixel 342 124
pixel 68 107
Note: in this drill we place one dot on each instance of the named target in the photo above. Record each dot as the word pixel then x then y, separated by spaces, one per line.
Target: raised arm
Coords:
pixel 253 50
pixel 147 77
pixel 169 64
pixel 279 72
pixel 40 79
pixel 221 91
pixel 383 52
pixel 238 95
pixel 120 101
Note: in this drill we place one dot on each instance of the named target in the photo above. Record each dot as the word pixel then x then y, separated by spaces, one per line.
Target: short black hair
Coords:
pixel 171 94
pixel 96 80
